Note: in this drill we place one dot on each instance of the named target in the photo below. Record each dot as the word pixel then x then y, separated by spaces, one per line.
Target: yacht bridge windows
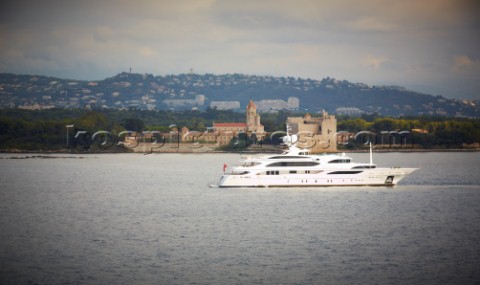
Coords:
pixel 293 163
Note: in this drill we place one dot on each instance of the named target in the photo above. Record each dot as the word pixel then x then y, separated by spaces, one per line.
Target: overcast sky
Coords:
pixel 431 46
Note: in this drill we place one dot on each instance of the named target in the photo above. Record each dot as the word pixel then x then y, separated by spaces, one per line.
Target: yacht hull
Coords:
pixel 371 177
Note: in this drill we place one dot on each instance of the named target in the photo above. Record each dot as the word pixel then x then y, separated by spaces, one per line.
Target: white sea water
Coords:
pixel 152 219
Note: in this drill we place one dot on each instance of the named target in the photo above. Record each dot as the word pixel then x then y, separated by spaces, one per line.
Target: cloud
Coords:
pixel 463 63
pixel 371 24
pixel 103 34
pixel 374 62
pixel 147 52
pixel 401 42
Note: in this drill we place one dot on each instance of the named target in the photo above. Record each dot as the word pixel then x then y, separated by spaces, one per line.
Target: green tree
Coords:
pixel 134 124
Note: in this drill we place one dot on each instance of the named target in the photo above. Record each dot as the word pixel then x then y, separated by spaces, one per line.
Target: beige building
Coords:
pixel 316 133
pixel 226 131
pixel 223 133
pixel 253 119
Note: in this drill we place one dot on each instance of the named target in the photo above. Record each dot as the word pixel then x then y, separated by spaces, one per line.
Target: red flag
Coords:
pixel 224 167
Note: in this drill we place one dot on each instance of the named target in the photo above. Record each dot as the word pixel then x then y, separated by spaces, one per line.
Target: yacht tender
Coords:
pixel 298 168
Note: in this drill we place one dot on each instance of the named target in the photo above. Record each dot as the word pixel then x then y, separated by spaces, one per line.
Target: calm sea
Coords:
pixel 152 219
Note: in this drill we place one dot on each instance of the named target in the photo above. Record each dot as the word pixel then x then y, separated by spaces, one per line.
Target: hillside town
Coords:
pixel 127 91
pixel 130 91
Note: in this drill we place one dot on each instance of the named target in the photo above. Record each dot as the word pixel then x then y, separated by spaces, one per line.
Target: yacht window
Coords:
pixel 250 164
pixel 345 172
pixel 286 157
pixel 340 161
pixel 293 171
pixel 240 173
pixel 292 163
pixel 363 166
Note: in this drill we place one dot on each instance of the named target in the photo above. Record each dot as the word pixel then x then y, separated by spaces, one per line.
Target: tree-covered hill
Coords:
pixel 198 91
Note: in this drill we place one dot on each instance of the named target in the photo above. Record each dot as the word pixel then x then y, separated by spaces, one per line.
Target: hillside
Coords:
pixel 187 91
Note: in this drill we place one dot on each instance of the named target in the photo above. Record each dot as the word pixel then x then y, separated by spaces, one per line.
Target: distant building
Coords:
pixel 182 103
pixel 225 105
pixel 253 119
pixel 293 103
pixel 230 127
pixel 350 111
pixel 420 131
pixel 317 133
pixel 266 105
pixel 36 106
pixel 252 124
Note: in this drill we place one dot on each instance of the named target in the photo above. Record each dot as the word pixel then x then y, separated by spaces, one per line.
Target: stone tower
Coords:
pixel 317 133
pixel 253 119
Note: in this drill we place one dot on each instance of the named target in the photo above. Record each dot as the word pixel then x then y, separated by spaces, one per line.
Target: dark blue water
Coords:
pixel 152 219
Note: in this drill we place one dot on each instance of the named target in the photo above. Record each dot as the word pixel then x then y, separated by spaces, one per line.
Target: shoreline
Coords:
pixel 212 151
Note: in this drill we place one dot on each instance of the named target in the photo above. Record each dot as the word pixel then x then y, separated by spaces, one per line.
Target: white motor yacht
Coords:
pixel 299 168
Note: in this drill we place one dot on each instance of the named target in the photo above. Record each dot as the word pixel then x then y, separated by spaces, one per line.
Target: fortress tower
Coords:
pixel 253 119
pixel 317 133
